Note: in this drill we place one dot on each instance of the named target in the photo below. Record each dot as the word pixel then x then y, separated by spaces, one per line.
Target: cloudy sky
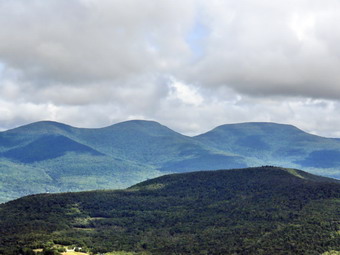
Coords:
pixel 188 64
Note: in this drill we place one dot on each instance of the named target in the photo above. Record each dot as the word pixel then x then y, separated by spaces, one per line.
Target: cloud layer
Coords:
pixel 189 64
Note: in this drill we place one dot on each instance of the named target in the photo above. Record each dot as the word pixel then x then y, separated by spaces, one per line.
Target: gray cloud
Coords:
pixel 272 48
pixel 189 64
pixel 81 41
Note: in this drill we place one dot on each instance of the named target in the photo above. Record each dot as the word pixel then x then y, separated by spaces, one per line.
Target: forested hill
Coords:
pixel 53 157
pixel 265 210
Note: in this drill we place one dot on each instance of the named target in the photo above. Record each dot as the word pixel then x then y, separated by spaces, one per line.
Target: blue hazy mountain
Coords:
pixel 66 158
pixel 53 157
pixel 277 144
pixel 48 147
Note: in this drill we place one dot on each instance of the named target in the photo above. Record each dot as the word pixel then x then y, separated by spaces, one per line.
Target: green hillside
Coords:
pixel 118 156
pixel 263 210
pixel 277 144
pixel 53 157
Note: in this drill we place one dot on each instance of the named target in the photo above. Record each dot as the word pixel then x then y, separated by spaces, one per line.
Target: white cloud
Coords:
pixel 184 93
pixel 189 64
pixel 80 41
pixel 271 48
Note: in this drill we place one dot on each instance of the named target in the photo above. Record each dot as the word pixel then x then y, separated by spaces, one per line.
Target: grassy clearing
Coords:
pixel 331 253
pixel 120 253
pixel 110 253
pixel 74 253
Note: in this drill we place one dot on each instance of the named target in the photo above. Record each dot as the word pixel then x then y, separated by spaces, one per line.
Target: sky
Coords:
pixel 189 64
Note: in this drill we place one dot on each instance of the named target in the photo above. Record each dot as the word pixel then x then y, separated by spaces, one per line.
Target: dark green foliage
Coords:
pixel 49 251
pixel 263 210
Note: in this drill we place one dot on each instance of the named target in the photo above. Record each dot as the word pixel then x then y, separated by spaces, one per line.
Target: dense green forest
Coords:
pixel 265 210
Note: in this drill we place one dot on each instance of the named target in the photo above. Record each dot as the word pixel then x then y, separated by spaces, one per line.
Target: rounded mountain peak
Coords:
pixel 42 127
pixel 144 126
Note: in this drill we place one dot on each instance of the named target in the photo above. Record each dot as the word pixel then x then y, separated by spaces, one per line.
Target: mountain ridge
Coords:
pixel 60 124
pixel 125 153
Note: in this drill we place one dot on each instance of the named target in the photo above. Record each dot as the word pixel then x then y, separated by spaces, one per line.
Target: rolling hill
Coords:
pixel 277 144
pixel 53 157
pixel 265 210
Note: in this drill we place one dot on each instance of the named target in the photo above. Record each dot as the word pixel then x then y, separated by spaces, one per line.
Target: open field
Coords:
pixel 74 253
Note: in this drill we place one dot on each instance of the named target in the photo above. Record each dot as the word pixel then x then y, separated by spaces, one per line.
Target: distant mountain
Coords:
pixel 53 157
pixel 277 144
pixel 48 147
pixel 265 210
pixel 74 159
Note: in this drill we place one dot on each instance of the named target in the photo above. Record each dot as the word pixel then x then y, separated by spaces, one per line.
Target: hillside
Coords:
pixel 118 156
pixel 53 157
pixel 263 210
pixel 277 144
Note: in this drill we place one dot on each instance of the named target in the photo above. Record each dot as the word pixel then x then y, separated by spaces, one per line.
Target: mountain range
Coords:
pixel 53 157
pixel 266 210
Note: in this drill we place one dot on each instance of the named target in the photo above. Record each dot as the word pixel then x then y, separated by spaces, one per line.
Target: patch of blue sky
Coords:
pixel 195 39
